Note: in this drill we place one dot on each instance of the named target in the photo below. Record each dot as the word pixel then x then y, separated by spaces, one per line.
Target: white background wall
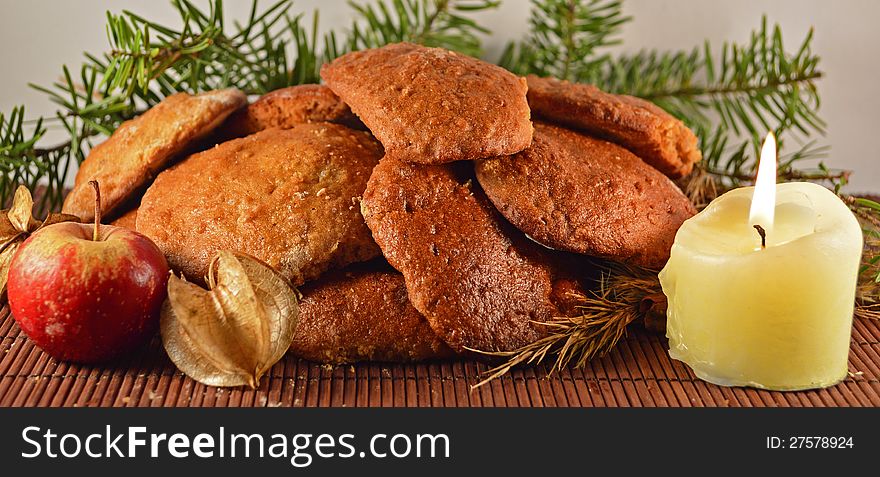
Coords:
pixel 38 36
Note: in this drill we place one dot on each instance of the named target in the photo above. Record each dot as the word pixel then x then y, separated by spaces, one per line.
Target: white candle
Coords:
pixel 776 317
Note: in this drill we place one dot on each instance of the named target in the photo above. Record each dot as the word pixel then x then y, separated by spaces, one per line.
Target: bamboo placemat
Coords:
pixel 638 372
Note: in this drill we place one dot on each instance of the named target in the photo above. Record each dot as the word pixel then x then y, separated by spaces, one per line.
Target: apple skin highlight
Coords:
pixel 86 300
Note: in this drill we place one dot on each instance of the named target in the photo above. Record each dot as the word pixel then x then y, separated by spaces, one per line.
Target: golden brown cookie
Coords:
pixel 480 283
pixel 651 133
pixel 128 219
pixel 140 148
pixel 431 105
pixel 572 192
pixel 286 196
pixel 363 313
pixel 287 107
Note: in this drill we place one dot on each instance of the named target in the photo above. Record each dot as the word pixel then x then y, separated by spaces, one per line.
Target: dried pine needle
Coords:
pixel 604 316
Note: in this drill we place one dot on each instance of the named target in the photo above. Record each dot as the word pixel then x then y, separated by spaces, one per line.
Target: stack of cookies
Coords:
pixel 427 203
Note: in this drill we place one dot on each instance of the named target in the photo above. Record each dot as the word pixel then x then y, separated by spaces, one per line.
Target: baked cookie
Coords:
pixel 287 107
pixel 651 133
pixel 572 192
pixel 362 313
pixel 286 196
pixel 140 148
pixel 431 105
pixel 480 284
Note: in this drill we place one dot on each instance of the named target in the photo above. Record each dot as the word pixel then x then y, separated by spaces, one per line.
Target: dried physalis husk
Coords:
pixel 18 223
pixel 232 333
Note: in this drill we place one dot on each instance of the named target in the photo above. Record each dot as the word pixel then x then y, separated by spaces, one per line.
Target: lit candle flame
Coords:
pixel 764 197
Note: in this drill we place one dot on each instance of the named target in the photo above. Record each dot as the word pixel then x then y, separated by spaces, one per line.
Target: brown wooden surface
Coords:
pixel 638 372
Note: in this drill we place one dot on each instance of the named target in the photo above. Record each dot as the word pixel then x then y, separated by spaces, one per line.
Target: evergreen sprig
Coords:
pixel 146 62
pixel 730 96
pixel 437 23
pixel 566 38
pixel 204 54
pixel 868 213
pixel 733 97
pixel 22 162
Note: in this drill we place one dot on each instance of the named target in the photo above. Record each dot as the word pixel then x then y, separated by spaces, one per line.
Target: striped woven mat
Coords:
pixel 638 372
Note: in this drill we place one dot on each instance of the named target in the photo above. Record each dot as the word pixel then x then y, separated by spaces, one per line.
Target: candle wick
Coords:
pixel 763 234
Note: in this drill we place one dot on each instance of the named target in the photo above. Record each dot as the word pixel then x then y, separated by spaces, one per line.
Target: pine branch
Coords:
pixel 146 62
pixel 202 54
pixel 437 23
pixel 868 293
pixel 22 162
pixel 730 97
pixel 566 37
pixel 733 98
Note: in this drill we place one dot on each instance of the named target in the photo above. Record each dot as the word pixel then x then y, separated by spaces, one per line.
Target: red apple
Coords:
pixel 87 293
